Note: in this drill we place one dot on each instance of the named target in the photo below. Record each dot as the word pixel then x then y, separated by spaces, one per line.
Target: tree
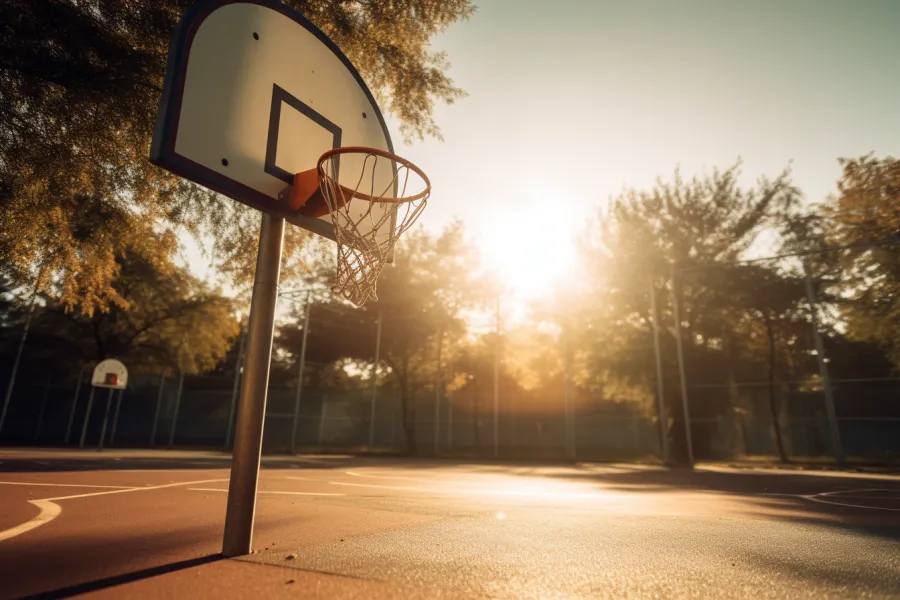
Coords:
pixel 866 217
pixel 695 230
pixel 170 321
pixel 421 299
pixel 79 86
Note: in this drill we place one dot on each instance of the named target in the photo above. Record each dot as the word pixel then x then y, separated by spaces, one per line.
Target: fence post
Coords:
pixel 177 407
pixel 238 370
pixel 660 394
pixel 437 393
pixel 15 369
pixel 87 416
pixel 112 434
pixel 497 382
pixel 567 396
pixel 375 382
pixel 678 346
pixel 40 419
pixel 159 396
pixel 306 310
pixel 449 425
pixel 322 412
pixel 74 404
pixel 823 371
pixel 105 419
pixel 393 426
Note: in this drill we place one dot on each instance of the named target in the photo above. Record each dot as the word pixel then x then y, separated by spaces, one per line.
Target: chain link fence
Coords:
pixel 772 365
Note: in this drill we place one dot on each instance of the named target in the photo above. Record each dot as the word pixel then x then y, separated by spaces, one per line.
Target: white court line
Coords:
pixel 517 493
pixel 397 477
pixel 138 489
pixel 78 485
pixel 829 497
pixel 272 492
pixel 50 510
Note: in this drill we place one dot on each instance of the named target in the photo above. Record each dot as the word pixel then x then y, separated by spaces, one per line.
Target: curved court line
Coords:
pixel 835 494
pixel 48 512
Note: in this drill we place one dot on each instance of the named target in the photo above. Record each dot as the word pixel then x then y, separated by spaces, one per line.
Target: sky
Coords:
pixel 571 101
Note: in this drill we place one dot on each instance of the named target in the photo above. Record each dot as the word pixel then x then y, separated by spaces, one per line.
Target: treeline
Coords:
pixel 705 243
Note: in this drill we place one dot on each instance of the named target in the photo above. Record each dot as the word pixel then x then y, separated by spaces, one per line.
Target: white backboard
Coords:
pixel 110 373
pixel 254 94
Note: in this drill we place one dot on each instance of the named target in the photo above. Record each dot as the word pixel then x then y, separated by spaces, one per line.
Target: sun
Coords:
pixel 529 247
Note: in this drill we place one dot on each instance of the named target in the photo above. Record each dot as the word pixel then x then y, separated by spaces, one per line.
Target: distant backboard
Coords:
pixel 254 94
pixel 110 373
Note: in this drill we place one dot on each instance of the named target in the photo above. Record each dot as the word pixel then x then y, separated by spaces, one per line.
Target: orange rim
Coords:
pixel 384 154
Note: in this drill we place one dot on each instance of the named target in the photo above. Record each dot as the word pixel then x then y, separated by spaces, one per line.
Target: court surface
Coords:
pixel 149 524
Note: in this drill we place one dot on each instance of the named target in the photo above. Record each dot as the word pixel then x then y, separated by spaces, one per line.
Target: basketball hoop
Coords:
pixel 388 196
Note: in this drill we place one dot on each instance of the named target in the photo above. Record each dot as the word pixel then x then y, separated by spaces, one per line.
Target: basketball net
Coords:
pixel 370 216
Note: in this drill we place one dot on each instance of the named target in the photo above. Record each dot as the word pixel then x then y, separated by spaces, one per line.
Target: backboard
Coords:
pixel 110 373
pixel 254 94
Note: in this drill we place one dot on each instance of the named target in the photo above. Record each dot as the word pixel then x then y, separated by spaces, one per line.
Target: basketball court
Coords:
pixel 261 106
pixel 145 524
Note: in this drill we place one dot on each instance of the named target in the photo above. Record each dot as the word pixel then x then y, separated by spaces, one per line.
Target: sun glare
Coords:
pixel 530 247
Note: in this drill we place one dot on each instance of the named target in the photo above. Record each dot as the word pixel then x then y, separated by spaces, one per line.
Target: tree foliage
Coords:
pixel 79 87
pixel 867 209
pixel 167 321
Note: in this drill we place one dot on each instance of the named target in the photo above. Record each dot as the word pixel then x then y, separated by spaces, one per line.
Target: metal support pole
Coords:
pixel 307 308
pixel 497 382
pixel 238 535
pixel 823 371
pixel 112 434
pixel 40 419
pixel 159 397
pixel 684 396
pixel 660 397
pixel 177 408
pixel 375 382
pixel 15 369
pixel 87 416
pixel 74 404
pixel 238 370
pixel 438 384
pixel 105 419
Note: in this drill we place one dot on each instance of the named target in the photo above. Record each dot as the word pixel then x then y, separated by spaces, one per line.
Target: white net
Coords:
pixel 382 195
